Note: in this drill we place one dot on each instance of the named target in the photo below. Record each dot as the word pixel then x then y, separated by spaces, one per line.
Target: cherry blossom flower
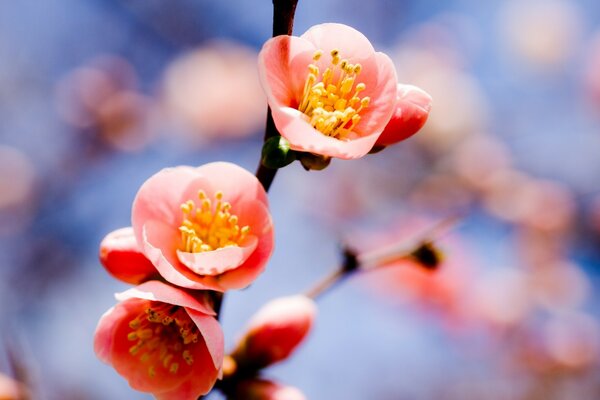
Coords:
pixel 204 228
pixel 275 331
pixel 163 340
pixel 329 91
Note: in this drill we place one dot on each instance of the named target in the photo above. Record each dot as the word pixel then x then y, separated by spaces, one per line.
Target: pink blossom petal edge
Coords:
pixel 159 291
pixel 218 261
pixel 412 110
pixel 212 333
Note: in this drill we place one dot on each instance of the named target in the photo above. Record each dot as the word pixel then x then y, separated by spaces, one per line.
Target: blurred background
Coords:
pixel 97 95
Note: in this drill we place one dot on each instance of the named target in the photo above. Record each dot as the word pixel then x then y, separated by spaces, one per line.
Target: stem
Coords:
pixel 264 174
pixel 283 16
pixel 380 258
pixel 283 24
pixel 326 283
pixel 349 265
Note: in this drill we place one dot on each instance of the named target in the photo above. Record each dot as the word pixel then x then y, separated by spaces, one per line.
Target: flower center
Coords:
pixel 163 334
pixel 207 228
pixel 330 100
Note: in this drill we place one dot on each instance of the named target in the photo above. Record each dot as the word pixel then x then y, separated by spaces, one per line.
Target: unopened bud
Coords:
pixel 275 331
pixel 120 255
pixel 427 255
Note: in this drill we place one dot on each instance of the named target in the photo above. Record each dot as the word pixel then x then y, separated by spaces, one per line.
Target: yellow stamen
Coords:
pixel 210 226
pixel 164 334
pixel 330 100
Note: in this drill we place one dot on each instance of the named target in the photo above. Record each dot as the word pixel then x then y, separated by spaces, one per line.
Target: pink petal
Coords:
pixel 158 236
pixel 237 184
pixel 159 291
pixel 159 198
pixel 122 258
pixel 381 82
pixel 212 333
pixel 262 226
pixel 105 331
pixel 302 136
pixel 124 363
pixel 283 67
pixel 220 260
pixel 412 111
pixel 352 44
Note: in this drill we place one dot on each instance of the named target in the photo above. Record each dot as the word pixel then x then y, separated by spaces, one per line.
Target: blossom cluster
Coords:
pixel 197 232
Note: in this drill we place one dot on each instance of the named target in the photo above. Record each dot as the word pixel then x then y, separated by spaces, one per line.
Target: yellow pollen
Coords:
pixel 163 334
pixel 330 100
pixel 208 228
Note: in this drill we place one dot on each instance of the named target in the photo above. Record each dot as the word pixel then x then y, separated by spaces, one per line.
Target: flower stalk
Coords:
pixel 421 249
pixel 283 24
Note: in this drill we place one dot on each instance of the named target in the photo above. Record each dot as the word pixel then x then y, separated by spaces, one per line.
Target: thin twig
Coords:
pixel 369 261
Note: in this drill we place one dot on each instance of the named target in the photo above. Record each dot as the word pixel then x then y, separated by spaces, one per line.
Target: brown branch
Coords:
pixel 420 249
pixel 283 24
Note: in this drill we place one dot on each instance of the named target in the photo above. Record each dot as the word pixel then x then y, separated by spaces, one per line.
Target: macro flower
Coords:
pixel 412 109
pixel 329 91
pixel 163 340
pixel 275 331
pixel 204 228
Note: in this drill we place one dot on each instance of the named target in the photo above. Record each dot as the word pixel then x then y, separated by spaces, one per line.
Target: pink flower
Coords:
pixel 204 228
pixel 261 389
pixel 120 255
pixel 275 331
pixel 163 340
pixel 11 389
pixel 330 93
pixel 412 109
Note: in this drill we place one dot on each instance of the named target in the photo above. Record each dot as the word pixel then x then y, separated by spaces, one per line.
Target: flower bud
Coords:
pixel 120 255
pixel 275 331
pixel 260 389
pixel 412 110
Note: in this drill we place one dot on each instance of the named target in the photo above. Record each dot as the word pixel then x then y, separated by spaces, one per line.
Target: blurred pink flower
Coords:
pixel 275 331
pixel 197 92
pixel 330 93
pixel 163 340
pixel 441 290
pixel 412 109
pixel 219 241
pixel 123 259
pixel 260 389
pixel 101 98
pixel 10 389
